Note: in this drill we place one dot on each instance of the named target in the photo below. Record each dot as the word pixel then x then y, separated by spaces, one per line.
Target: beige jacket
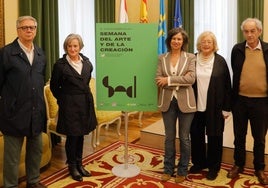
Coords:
pixel 181 82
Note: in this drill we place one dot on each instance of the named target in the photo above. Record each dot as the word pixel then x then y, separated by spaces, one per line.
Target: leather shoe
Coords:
pixel 35 185
pixel 165 177
pixel 179 179
pixel 195 169
pixel 75 173
pixel 261 177
pixel 212 174
pixel 83 171
pixel 234 172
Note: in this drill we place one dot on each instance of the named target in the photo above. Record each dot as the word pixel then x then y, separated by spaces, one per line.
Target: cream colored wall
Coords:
pixel 133 8
pixel 11 15
pixel 265 22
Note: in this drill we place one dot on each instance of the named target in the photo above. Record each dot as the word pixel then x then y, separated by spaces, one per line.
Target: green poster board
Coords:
pixel 126 61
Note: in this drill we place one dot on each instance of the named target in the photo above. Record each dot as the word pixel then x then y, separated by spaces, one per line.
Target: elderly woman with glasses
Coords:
pixel 213 95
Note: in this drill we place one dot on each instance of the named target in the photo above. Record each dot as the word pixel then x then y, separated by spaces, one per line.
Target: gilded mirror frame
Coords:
pixel 2 24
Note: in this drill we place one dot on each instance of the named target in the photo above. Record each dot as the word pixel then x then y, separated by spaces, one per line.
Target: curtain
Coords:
pixel 248 8
pixel 46 14
pixel 219 17
pixel 187 11
pixel 105 11
pixel 78 17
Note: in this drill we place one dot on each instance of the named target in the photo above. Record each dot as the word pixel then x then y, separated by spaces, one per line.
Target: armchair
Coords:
pixel 104 117
pixel 52 114
pixel 46 156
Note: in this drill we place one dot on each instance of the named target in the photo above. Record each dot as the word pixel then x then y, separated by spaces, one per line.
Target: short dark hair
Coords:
pixel 175 31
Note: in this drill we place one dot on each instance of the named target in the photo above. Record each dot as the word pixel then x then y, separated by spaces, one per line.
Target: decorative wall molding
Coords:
pixel 2 24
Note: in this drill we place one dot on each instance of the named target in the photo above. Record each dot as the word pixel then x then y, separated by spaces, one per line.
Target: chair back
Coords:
pixel 92 85
pixel 51 104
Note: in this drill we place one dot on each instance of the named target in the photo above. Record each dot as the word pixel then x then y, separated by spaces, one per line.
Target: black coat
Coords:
pixel 218 96
pixel 76 105
pixel 22 106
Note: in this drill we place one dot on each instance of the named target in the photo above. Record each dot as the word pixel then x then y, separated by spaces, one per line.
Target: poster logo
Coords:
pixel 129 90
pixel 126 63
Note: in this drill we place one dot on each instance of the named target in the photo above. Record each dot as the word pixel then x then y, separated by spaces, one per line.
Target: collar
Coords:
pixel 258 47
pixel 25 48
pixel 69 59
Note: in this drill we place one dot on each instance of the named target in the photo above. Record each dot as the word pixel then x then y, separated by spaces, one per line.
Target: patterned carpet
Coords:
pixel 150 162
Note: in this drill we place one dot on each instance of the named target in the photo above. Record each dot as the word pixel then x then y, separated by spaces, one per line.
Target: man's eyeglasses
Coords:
pixel 25 28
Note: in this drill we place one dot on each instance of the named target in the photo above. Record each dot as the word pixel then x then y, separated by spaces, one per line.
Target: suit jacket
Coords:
pixel 181 82
pixel 22 106
pixel 76 105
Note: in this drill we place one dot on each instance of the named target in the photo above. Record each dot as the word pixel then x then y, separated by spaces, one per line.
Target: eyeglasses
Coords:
pixel 206 42
pixel 25 28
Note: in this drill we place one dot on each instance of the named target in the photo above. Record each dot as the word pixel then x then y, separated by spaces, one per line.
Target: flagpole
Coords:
pixel 126 170
pixel 162 29
pixel 177 14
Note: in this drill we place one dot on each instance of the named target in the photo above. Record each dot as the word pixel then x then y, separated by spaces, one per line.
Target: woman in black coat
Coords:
pixel 213 93
pixel 70 86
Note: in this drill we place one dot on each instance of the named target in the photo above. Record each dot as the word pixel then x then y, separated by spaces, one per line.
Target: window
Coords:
pixel 220 17
pixel 78 17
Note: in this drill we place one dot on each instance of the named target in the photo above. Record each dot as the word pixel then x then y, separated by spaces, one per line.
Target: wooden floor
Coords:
pixel 107 137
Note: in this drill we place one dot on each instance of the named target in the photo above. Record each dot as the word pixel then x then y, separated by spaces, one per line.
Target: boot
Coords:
pixel 79 154
pixel 75 173
pixel 83 171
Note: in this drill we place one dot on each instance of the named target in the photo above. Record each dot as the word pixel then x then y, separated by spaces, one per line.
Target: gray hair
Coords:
pixel 256 20
pixel 22 18
pixel 203 35
pixel 69 38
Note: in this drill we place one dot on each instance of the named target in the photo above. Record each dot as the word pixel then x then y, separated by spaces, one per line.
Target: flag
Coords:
pixel 177 15
pixel 143 12
pixel 123 17
pixel 162 29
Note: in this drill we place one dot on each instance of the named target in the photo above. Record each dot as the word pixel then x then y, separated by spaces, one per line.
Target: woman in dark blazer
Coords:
pixel 213 91
pixel 70 86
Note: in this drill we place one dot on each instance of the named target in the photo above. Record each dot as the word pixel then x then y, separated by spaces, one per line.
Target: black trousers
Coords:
pixel 254 110
pixel 205 155
pixel 74 149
